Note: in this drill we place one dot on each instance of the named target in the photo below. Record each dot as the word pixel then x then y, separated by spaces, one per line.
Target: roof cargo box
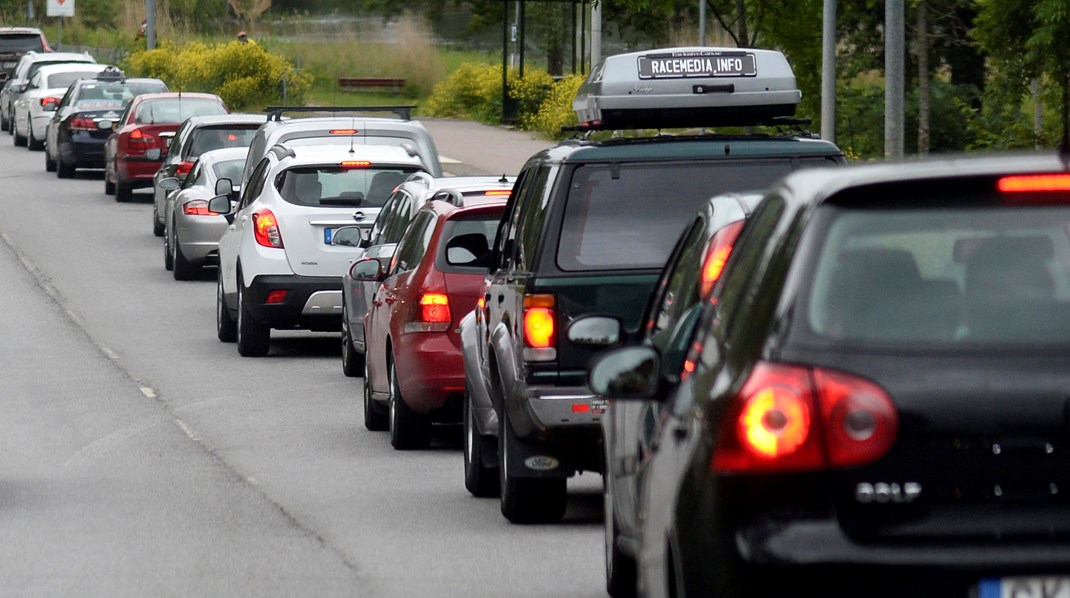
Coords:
pixel 687 87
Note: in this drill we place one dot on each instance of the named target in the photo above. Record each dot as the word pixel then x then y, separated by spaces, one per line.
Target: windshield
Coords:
pixel 629 216
pixel 176 110
pixel 337 186
pixel 944 276
pixel 21 43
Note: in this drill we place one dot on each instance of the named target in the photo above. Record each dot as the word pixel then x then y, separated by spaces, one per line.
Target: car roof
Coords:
pixel 690 147
pixel 123 80
pixel 7 30
pixel 225 119
pixel 814 186
pixel 173 95
pixel 224 154
pixel 33 56
pixel 71 67
pixel 328 154
pixel 446 210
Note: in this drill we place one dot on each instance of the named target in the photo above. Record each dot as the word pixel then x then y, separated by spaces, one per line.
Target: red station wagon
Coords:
pixel 136 148
pixel 435 278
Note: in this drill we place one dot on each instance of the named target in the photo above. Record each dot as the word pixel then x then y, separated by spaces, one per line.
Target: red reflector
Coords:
pixel 355 164
pixel 581 408
pixel 343 131
pixel 1031 183
pixel 276 296
pixel 434 308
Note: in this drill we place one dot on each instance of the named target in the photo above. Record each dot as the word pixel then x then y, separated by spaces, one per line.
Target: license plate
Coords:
pixel 682 65
pixel 328 235
pixel 1024 587
pixel 9 65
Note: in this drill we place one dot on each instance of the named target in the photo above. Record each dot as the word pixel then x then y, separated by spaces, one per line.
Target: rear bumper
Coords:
pixel 311 302
pixel 82 149
pixel 137 169
pixel 434 373
pixel 198 236
pixel 563 406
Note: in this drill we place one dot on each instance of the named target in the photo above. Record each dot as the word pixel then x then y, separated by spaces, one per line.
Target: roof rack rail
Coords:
pixel 450 196
pixel 421 176
pixel 281 151
pixel 275 112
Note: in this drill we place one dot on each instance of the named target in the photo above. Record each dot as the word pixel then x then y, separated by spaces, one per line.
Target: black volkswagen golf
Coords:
pixel 876 400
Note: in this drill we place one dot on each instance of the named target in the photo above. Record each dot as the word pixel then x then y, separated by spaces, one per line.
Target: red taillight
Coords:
pixel 82 124
pixel 717 252
pixel 355 164
pixel 789 418
pixel 183 168
pixel 539 321
pixel 1032 183
pixel 197 207
pixel 504 193
pixel 266 229
pixel 434 308
pixel 343 131
pixel 276 296
pixel 50 100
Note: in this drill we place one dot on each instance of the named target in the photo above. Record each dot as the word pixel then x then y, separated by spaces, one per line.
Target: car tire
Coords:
pixel 374 418
pixel 32 142
pixel 63 170
pixel 50 164
pixel 4 122
pixel 225 327
pixel 526 500
pixel 20 140
pixel 480 480
pixel 123 192
pixel 254 338
pixel 408 430
pixel 183 268
pixel 157 226
pixel 621 572
pixel 168 257
pixel 352 361
pixel 11 121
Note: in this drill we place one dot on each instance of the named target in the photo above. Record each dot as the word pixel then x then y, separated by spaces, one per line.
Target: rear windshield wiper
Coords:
pixel 341 201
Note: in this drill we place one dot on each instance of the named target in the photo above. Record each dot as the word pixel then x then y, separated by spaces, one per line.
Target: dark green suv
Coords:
pixel 587 231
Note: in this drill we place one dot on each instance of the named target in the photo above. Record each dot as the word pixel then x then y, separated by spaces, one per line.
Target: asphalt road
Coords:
pixel 139 456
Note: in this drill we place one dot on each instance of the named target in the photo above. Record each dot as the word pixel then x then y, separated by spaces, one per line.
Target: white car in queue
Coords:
pixel 40 97
pixel 277 265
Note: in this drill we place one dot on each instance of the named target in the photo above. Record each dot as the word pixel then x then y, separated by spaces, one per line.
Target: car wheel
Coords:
pixel 123 192
pixel 20 140
pixel 4 122
pixel 32 142
pixel 11 121
pixel 254 338
pixel 63 170
pixel 480 480
pixel 50 164
pixel 526 500
pixel 620 568
pixel 183 268
pixel 352 361
pixel 374 418
pixel 168 257
pixel 157 226
pixel 225 328
pixel 408 430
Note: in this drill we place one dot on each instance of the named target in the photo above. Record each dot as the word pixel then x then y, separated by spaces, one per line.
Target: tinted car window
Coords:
pixel 456 257
pixel 334 185
pixel 176 110
pixel 64 79
pixel 230 169
pixel 622 217
pixel 21 42
pixel 948 277
pixel 206 139
pixel 396 226
pixel 414 245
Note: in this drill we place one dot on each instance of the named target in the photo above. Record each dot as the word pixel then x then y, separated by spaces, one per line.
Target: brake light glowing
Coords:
pixel 49 100
pixel 197 207
pixel 792 418
pixel 539 320
pixel 183 168
pixel 434 308
pixel 499 193
pixel 1031 183
pixel 266 229
pixel 343 131
pixel 82 124
pixel 232 137
pixel 355 164
pixel 581 408
pixel 717 252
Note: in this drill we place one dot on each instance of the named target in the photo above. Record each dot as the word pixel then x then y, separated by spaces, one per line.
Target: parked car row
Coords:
pixel 796 376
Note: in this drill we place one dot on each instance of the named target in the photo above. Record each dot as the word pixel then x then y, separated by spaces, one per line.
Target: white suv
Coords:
pixel 277 266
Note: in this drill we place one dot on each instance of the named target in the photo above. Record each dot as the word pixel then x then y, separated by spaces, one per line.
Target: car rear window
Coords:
pixel 229 169
pixel 66 79
pixel 21 42
pixel 206 139
pixel 478 232
pixel 630 215
pixel 112 94
pixel 176 110
pixel 947 276
pixel 330 186
pixel 36 66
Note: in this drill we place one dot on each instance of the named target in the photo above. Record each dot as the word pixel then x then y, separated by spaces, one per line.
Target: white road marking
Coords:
pixel 148 391
pixel 188 430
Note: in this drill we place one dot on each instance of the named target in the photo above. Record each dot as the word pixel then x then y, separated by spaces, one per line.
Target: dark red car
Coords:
pixel 414 362
pixel 136 148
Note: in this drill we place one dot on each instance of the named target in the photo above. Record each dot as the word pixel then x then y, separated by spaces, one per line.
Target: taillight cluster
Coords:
pixel 796 418
pixel 183 168
pixel 433 315
pixel 46 101
pixel 197 207
pixel 79 123
pixel 540 317
pixel 717 252
pixel 138 141
pixel 266 229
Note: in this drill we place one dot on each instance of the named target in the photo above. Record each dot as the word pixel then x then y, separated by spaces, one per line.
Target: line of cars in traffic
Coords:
pixel 796 376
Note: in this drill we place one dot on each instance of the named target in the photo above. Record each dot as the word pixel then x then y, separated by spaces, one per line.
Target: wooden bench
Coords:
pixel 354 83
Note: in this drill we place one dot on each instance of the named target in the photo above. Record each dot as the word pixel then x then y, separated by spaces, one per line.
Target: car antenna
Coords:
pixel 504 179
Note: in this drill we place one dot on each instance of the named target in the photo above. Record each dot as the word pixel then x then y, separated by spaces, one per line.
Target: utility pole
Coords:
pixel 29 10
pixel 828 72
pixel 894 50
pixel 150 29
pixel 596 33
pixel 702 22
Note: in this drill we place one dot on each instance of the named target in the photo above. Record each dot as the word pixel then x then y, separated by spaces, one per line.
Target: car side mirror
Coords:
pixel 19 87
pixel 626 373
pixel 224 186
pixel 169 184
pixel 468 250
pixel 595 331
pixel 220 204
pixel 368 269
pixel 347 236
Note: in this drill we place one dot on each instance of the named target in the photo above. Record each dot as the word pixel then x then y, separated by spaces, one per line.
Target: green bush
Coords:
pixel 556 109
pixel 472 91
pixel 243 75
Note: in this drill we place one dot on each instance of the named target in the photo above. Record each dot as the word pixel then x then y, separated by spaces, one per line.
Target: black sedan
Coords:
pixel 875 401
